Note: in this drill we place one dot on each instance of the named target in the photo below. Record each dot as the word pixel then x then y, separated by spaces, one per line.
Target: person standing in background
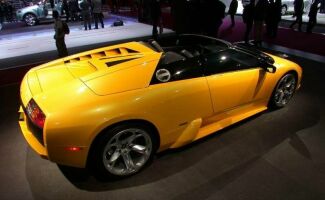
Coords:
pixel 3 11
pixel 273 17
pixel 232 11
pixel 115 7
pixel 97 12
pixel 65 10
pixel 213 13
pixel 74 9
pixel 248 17
pixel 59 35
pixel 85 12
pixel 299 9
pixel 155 17
pixel 259 17
pixel 315 6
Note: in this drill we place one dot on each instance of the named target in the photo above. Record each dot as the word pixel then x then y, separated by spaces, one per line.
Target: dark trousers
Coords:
pixel 311 23
pixel 98 16
pixel 249 25
pixel 86 18
pixel 258 30
pixel 272 28
pixel 61 47
pixel 155 23
pixel 232 17
pixel 298 20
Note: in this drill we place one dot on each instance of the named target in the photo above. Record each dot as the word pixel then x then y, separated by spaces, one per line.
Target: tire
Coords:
pixel 123 151
pixel 284 9
pixel 284 90
pixel 30 19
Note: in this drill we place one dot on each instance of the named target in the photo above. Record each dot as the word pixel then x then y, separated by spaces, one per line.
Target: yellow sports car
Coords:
pixel 113 108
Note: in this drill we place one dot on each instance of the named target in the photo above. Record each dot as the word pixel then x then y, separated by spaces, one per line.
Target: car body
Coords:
pixel 41 11
pixel 172 94
pixel 288 6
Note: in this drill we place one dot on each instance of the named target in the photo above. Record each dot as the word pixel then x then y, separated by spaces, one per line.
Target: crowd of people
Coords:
pixel 87 9
pixel 206 16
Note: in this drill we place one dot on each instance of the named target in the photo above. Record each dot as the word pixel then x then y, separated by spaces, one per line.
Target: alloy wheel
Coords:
pixel 127 151
pixel 284 90
pixel 30 19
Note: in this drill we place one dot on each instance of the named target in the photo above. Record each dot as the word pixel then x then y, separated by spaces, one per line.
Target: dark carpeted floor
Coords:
pixel 275 155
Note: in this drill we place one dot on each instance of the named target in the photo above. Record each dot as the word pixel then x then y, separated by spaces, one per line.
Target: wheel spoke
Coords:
pixel 138 148
pixel 115 156
pixel 128 161
pixel 281 95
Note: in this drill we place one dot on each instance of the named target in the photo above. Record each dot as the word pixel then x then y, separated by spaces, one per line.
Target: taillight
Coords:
pixel 35 113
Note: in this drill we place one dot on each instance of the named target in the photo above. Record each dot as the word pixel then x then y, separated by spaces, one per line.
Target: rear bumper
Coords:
pixel 30 138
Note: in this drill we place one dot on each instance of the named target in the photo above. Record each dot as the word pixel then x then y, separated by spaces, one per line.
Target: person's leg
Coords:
pixel 299 20
pixel 84 18
pixel 311 24
pixel 232 20
pixel 275 29
pixel 96 20
pixel 62 48
pixel 258 29
pixel 217 28
pixel 154 28
pixel 249 25
pixel 89 23
pixel 101 19
pixel 294 22
pixel 308 30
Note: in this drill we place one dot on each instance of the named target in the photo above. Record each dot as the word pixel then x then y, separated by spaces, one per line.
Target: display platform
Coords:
pixel 279 154
pixel 18 44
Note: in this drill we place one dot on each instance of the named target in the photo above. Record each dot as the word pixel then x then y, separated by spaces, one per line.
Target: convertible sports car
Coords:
pixel 112 108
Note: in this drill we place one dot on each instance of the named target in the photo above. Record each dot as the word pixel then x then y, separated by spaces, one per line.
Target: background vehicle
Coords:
pixel 288 7
pixel 130 100
pixel 41 11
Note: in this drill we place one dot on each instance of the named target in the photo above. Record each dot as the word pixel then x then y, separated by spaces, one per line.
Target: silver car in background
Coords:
pixel 41 11
pixel 288 6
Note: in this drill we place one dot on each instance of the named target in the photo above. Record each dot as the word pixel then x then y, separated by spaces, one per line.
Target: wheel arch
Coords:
pixel 295 73
pixel 101 133
pixel 29 12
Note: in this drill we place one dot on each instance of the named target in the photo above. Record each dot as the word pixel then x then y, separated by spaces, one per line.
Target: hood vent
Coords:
pixel 107 53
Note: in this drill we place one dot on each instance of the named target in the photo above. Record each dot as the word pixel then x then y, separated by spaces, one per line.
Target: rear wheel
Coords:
pixel 283 91
pixel 30 19
pixel 123 150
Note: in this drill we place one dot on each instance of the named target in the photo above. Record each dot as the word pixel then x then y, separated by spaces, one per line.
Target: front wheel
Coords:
pixel 124 150
pixel 283 91
pixel 30 19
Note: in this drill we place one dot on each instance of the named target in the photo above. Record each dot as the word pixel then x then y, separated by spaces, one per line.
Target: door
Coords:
pixel 234 78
